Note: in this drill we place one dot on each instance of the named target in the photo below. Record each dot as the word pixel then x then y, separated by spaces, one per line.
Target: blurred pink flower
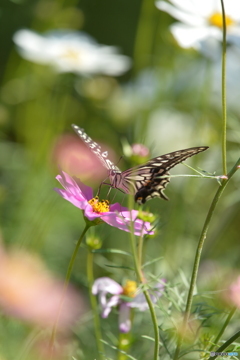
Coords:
pixel 126 297
pixel 116 215
pixel 234 292
pixel 140 150
pixel 29 292
pixel 75 158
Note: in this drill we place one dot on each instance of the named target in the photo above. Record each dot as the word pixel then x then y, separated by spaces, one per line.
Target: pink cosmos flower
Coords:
pixel 116 215
pixel 126 297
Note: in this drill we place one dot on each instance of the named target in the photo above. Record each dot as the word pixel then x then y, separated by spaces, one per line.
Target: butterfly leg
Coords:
pixel 110 188
pixel 99 189
pixel 102 183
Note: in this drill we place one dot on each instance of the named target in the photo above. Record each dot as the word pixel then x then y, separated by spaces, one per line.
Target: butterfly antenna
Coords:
pixel 121 157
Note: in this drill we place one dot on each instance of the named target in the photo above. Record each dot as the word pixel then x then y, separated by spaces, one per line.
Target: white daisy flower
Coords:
pixel 201 20
pixel 69 51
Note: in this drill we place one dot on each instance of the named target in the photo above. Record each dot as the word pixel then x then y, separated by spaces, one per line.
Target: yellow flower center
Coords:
pixel 130 289
pixel 216 19
pixel 71 54
pixel 99 206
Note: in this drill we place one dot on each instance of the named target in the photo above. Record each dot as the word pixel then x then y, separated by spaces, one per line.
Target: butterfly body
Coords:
pixel 145 181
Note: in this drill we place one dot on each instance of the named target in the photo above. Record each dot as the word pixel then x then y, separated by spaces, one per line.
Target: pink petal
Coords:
pixel 90 214
pixel 86 190
pixel 81 204
pixel 75 186
pixel 119 221
pixel 113 219
pixel 117 207
pixel 74 190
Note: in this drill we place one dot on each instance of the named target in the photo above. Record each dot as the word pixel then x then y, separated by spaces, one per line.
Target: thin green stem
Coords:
pixel 226 344
pixel 93 300
pixel 198 255
pixel 145 35
pixel 68 275
pixel 187 175
pixel 155 325
pixel 145 292
pixel 140 250
pixel 218 337
pixel 124 341
pixel 224 101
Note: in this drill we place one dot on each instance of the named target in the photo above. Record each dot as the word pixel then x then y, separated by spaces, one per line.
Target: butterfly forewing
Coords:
pixel 145 181
pixel 96 149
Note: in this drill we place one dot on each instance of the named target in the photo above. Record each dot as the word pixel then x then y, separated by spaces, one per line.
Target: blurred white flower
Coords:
pixel 201 21
pixel 70 51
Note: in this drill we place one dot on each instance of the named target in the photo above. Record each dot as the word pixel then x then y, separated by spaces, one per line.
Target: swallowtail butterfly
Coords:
pixel 143 181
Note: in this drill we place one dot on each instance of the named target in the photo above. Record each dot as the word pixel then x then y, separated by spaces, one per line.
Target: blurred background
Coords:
pixel 148 91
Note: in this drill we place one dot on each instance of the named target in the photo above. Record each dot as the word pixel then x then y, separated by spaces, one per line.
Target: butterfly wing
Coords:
pixel 96 149
pixel 146 180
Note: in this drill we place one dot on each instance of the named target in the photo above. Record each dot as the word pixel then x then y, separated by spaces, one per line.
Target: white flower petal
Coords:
pixel 31 46
pixel 114 301
pixel 233 34
pixel 187 18
pixel 107 285
pixel 69 51
pixel 188 36
pixel 204 8
pixel 196 14
pixel 232 9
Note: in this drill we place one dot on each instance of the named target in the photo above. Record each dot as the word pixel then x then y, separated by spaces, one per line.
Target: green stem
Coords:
pixel 198 256
pixel 94 306
pixel 155 325
pixel 226 344
pixel 230 315
pixel 68 275
pixel 224 101
pixel 145 35
pixel 145 292
pixel 124 341
pixel 140 250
